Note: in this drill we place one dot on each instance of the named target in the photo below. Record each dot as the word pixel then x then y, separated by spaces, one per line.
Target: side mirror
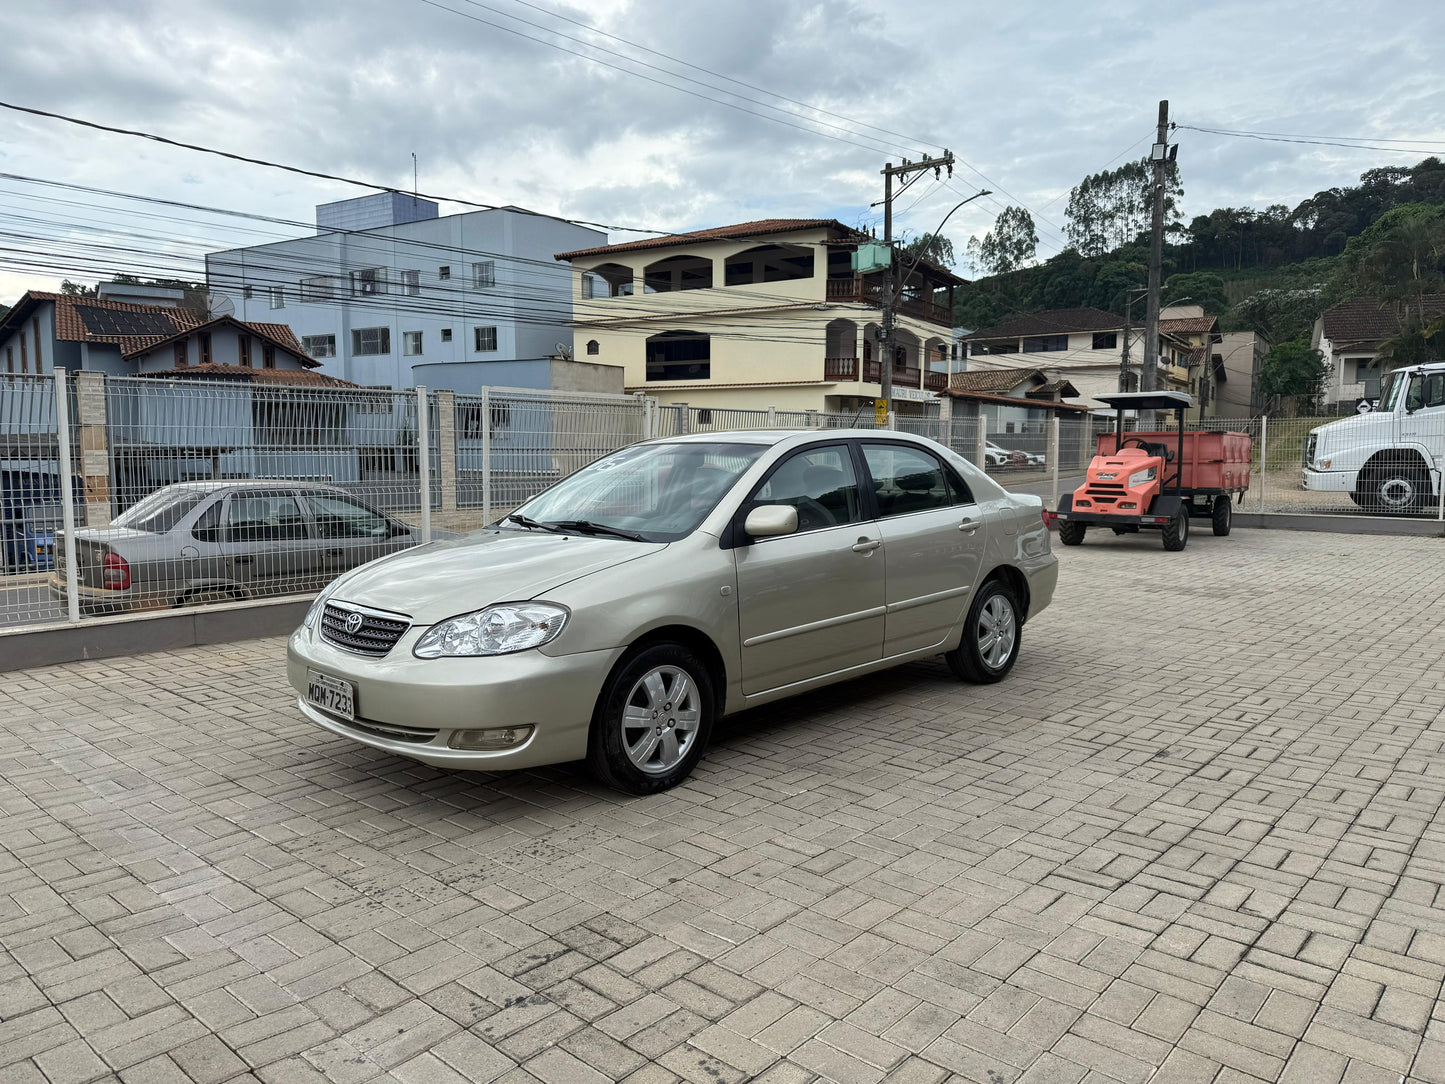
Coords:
pixel 771 520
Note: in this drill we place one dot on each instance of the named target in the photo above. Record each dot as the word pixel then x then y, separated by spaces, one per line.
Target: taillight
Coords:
pixel 1049 519
pixel 114 572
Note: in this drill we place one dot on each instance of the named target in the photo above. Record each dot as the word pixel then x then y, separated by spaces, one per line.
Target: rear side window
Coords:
pixel 159 512
pixel 208 526
pixel 907 480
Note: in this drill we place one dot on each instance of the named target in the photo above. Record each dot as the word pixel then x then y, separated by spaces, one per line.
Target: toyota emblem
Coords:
pixel 353 623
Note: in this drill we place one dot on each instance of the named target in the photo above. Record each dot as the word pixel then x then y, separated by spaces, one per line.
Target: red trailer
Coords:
pixel 1157 480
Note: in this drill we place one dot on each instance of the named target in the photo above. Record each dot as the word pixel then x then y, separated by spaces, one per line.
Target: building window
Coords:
pixel 9 359
pixel 182 358
pixel 411 283
pixel 1039 344
pixel 368 282
pixel 444 272
pixel 486 338
pixel 243 348
pixel 277 296
pixel 1106 340
pixel 370 341
pixel 592 347
pixel 768 263
pixel 411 343
pixel 469 420
pixel 318 288
pixel 35 337
pixel 203 347
pixel 1362 369
pixel 446 334
pixel 248 292
pixel 679 355
pixel 1008 427
pixel 484 274
pixel 24 355
pixel 589 286
pixel 320 346
pixel 268 355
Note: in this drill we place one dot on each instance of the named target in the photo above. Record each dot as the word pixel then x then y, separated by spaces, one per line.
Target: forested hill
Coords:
pixel 1270 270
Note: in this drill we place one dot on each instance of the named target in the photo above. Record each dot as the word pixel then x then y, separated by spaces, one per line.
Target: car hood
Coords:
pixel 443 579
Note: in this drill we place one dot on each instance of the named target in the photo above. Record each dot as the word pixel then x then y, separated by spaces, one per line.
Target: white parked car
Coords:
pixel 996 457
pixel 1390 459
pixel 616 616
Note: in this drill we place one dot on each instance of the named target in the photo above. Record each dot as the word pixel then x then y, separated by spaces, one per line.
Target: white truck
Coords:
pixel 1389 459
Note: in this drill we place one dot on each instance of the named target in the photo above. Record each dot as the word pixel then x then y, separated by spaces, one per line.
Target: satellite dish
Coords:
pixel 564 351
pixel 220 305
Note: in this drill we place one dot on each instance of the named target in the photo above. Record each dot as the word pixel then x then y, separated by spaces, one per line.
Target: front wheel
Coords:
pixel 1071 533
pixel 991 635
pixel 653 721
pixel 1176 531
pixel 1396 490
pixel 1222 512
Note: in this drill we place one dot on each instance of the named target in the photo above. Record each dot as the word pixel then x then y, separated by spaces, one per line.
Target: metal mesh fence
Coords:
pixel 187 492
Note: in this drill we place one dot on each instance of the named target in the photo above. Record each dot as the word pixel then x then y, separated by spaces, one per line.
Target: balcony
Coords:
pixel 865 292
pixel 847 369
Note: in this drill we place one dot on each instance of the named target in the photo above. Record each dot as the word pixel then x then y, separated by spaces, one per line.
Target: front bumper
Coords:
pixel 1330 481
pixel 556 694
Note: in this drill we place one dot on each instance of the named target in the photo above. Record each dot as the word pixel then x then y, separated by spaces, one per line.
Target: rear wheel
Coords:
pixel 1071 533
pixel 653 721
pixel 991 635
pixel 1176 531
pixel 1222 512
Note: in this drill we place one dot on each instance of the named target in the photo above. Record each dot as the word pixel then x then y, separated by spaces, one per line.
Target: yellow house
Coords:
pixel 761 314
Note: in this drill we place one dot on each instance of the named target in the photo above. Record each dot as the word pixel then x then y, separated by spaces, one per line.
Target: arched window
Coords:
pixel 592 347
pixel 677 273
pixel 619 279
pixel 769 263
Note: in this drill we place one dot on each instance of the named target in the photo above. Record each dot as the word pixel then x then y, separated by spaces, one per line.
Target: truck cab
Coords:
pixel 1390 459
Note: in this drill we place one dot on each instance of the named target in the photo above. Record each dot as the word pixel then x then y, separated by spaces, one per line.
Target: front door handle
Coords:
pixel 867 545
pixel 968 526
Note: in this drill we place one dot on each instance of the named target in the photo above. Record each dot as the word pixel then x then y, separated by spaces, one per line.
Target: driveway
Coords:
pixel 1194 837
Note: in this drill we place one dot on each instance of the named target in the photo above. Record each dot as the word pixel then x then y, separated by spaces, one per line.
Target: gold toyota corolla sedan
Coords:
pixel 617 615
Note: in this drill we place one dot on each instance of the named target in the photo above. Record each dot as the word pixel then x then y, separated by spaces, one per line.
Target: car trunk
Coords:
pixel 90 550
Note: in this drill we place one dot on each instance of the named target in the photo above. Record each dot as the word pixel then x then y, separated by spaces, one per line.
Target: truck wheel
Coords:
pixel 1072 534
pixel 1397 489
pixel 1176 531
pixel 1222 513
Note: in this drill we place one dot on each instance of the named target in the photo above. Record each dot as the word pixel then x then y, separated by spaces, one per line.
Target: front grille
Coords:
pixel 377 634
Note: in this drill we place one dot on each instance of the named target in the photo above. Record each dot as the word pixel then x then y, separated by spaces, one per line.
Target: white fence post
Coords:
pixel 982 450
pixel 423 440
pixel 1054 454
pixel 772 417
pixel 1263 455
pixel 486 455
pixel 67 495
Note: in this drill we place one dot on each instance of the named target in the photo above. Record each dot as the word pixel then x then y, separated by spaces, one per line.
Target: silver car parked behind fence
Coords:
pixel 221 541
pixel 618 614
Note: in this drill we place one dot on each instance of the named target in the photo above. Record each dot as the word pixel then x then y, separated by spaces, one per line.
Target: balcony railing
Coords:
pixel 870 293
pixel 906 377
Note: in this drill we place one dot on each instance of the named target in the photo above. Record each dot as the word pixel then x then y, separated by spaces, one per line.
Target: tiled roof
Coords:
pixel 1189 325
pixel 130 326
pixel 214 371
pixel 1052 322
pixel 1061 388
pixel 1367 319
pixel 279 334
pixel 998 380
pixel 756 228
pixel 1010 400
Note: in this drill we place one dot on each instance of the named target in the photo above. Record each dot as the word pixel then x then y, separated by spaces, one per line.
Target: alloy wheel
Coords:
pixel 660 720
pixel 997 631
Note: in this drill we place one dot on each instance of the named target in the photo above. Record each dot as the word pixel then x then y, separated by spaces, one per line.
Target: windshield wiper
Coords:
pixel 587 526
pixel 532 524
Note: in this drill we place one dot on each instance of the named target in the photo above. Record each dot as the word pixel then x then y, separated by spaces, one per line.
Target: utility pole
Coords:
pixel 1159 155
pixel 892 287
pixel 1131 295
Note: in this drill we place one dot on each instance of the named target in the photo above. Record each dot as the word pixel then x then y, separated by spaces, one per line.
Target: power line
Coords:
pixel 1428 152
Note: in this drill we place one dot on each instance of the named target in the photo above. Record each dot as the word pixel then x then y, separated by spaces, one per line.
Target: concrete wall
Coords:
pixel 1241 351
pixel 530 286
pixel 586 376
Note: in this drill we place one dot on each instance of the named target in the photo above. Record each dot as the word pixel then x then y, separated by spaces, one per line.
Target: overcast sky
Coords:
pixel 1033 95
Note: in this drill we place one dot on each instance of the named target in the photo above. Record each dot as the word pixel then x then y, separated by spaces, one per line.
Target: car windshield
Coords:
pixel 161 511
pixel 658 491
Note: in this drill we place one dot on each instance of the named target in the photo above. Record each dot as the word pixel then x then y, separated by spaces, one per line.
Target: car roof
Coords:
pixel 780 436
pixel 209 485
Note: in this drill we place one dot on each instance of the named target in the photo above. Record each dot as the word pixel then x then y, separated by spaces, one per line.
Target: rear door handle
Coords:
pixel 867 545
pixel 241 560
pixel 968 526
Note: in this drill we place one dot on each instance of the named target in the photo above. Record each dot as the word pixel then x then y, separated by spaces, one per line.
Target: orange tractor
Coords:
pixel 1157 480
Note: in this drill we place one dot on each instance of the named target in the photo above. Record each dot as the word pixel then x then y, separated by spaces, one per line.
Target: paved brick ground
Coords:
pixel 1194 837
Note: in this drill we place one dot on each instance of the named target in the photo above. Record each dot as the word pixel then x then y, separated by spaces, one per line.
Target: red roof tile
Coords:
pixel 995 380
pixel 214 371
pixel 1369 320
pixel 1189 325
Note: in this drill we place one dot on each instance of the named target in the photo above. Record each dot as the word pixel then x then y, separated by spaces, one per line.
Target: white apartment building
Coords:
pixel 389 294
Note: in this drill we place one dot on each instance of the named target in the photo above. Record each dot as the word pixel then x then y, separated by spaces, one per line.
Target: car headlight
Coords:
pixel 496 630
pixel 316 607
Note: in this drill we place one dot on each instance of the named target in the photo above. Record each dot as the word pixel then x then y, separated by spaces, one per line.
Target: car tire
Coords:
pixel 638 699
pixel 1071 533
pixel 1222 513
pixel 1396 490
pixel 1176 531
pixel 980 657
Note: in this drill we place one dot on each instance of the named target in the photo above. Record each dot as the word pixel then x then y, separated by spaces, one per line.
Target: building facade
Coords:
pixel 778 313
pixel 1350 335
pixel 388 294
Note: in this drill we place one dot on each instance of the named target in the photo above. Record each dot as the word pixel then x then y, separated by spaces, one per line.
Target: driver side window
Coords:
pixel 819 483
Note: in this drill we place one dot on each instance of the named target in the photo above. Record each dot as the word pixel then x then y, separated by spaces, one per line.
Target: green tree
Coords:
pixel 1201 287
pixel 1112 208
pixel 75 289
pixel 933 247
pixel 1278 314
pixel 1293 370
pixel 1011 244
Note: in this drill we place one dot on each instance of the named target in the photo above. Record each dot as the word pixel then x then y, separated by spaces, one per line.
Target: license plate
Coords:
pixel 330 694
